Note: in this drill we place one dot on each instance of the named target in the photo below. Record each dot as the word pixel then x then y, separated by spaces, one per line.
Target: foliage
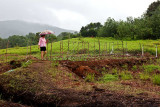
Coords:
pixel 108 78
pixel 126 75
pixel 151 68
pixel 90 78
pixel 144 76
pixel 26 64
pixel 90 30
pixel 156 79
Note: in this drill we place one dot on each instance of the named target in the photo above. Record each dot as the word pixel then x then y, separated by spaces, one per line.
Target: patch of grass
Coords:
pixel 144 76
pixel 125 67
pixel 115 71
pixel 55 63
pixel 126 75
pixel 134 68
pixel 156 79
pixel 90 78
pixel 151 68
pixel 26 64
pixel 108 78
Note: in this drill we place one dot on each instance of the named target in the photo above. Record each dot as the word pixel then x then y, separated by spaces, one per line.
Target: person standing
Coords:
pixel 42 45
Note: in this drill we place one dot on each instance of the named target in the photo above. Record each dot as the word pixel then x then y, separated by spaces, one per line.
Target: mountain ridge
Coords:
pixel 19 27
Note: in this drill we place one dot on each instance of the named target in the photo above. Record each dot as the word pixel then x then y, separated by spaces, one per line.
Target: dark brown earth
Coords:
pixel 48 94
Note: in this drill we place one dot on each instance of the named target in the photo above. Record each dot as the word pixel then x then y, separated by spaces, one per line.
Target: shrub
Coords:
pixel 90 78
pixel 125 75
pixel 109 77
pixel 151 68
pixel 134 68
pixel 156 79
pixel 144 76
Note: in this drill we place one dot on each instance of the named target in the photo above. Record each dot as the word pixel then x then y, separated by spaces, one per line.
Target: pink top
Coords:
pixel 42 42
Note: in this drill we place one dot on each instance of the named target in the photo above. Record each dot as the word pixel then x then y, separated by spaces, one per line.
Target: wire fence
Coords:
pixel 80 50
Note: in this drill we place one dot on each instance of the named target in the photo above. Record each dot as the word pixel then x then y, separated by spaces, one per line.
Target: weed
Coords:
pixel 70 75
pixel 90 78
pixel 144 76
pixel 125 75
pixel 114 71
pixel 125 67
pixel 26 64
pixel 151 68
pixel 109 77
pixel 156 79
pixel 134 68
pixel 55 63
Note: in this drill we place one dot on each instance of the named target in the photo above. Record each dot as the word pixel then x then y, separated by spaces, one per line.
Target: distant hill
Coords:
pixel 17 27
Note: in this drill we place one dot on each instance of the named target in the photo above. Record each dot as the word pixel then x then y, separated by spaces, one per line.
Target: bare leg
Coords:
pixel 42 55
pixel 45 52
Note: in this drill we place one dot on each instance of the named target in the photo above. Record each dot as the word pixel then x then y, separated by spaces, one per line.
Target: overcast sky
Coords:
pixel 71 14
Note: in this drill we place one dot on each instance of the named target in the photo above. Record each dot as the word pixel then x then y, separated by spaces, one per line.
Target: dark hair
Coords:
pixel 43 35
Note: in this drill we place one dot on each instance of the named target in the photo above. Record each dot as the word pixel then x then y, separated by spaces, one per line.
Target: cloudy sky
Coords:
pixel 71 14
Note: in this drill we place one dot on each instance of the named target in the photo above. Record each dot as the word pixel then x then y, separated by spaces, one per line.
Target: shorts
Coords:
pixel 43 48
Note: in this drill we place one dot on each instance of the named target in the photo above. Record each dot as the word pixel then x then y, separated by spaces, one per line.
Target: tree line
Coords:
pixel 145 27
pixel 32 39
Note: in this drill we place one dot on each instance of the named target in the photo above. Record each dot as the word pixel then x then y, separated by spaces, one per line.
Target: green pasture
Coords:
pixel 76 45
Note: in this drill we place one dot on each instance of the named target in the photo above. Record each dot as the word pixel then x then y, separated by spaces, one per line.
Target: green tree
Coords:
pixel 90 29
pixel 109 29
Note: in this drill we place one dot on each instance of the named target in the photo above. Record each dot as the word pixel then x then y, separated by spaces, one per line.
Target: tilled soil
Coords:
pixel 49 95
pixel 82 68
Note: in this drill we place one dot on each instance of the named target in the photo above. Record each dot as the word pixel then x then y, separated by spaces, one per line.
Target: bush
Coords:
pixel 90 78
pixel 144 76
pixel 125 75
pixel 156 79
pixel 151 68
pixel 109 77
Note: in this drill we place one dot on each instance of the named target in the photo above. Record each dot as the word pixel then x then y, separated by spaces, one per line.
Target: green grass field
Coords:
pixel 76 45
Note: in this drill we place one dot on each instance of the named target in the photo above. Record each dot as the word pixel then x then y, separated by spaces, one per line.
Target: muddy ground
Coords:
pixel 47 84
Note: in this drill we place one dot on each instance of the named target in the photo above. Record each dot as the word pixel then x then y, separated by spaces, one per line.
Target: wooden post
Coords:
pixel 94 47
pixel 109 47
pixel 106 47
pixel 126 48
pixel 68 45
pixel 156 51
pixel 51 52
pixel 30 48
pixel 123 48
pixel 47 51
pixel 60 48
pixel 7 50
pixel 88 48
pixel 142 50
pixel 78 48
pixel 99 47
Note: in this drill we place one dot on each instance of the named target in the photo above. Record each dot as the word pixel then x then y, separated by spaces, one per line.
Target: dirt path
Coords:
pixel 38 87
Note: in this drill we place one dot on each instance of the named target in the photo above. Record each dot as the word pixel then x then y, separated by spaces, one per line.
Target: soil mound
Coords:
pixel 83 71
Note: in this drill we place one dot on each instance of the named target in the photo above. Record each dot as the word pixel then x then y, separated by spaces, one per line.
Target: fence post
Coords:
pixel 78 48
pixel 7 50
pixel 88 48
pixel 60 48
pixel 156 51
pixel 51 51
pixel 126 48
pixel 99 47
pixel 30 48
pixel 109 47
pixel 123 48
pixel 142 50
pixel 94 47
pixel 106 47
